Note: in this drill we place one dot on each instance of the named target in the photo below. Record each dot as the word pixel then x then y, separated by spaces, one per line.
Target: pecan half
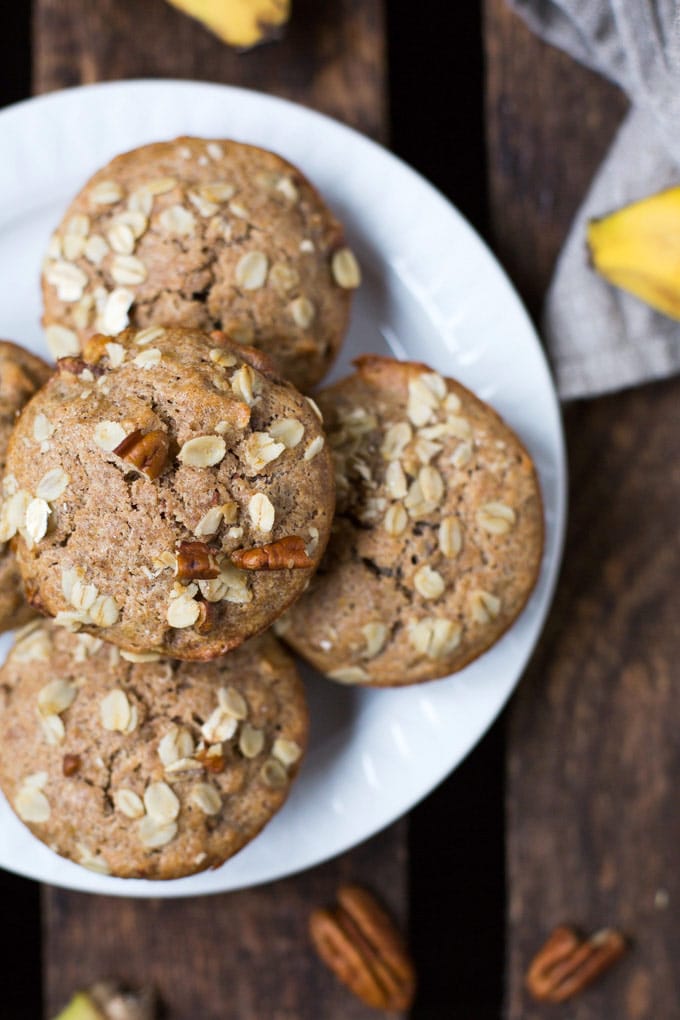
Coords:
pixel 568 962
pixel 71 764
pixel 148 452
pixel 285 554
pixel 361 945
pixel 196 562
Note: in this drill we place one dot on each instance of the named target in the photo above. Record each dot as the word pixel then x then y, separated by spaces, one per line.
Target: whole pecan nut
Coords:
pixel 361 945
pixel 196 562
pixel 146 451
pixel 285 554
pixel 568 962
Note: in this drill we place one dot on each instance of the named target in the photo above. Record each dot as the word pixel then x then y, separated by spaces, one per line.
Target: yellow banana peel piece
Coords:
pixel 637 248
pixel 240 23
pixel 106 1000
pixel 81 1007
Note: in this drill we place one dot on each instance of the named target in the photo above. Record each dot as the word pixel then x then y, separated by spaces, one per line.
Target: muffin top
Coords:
pixel 181 500
pixel 146 769
pixel 438 537
pixel 207 234
pixel 21 374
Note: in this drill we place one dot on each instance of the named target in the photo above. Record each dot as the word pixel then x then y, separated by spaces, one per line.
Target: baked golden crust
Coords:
pixel 205 234
pixel 169 457
pixel 151 769
pixel 438 536
pixel 21 374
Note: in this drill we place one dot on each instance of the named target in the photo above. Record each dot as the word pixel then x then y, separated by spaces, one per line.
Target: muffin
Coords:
pixel 206 234
pixel 141 768
pixel 184 500
pixel 438 537
pixel 21 374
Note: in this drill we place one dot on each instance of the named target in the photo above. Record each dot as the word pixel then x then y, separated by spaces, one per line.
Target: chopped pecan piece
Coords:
pixel 71 364
pixel 568 962
pixel 94 348
pixel 148 452
pixel 211 762
pixel 76 366
pixel 285 554
pixel 261 361
pixel 361 945
pixel 71 764
pixel 252 355
pixel 34 597
pixel 207 611
pixel 196 562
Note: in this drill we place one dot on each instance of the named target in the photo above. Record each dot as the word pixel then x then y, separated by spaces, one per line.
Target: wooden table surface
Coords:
pixel 593 756
pixel 592 752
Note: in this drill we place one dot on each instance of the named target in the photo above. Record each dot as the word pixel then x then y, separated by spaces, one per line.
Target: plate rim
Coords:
pixel 551 567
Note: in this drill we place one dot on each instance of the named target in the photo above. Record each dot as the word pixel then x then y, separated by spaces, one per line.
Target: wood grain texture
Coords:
pixel 593 753
pixel 233 957
pixel 244 955
pixel 332 56
pixel 549 123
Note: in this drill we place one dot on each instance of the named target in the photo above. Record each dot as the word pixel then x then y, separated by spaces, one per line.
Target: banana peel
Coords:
pixel 81 1007
pixel 240 23
pixel 108 1001
pixel 637 248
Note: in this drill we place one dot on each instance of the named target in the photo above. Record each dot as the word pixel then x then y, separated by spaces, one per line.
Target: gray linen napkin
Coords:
pixel 599 338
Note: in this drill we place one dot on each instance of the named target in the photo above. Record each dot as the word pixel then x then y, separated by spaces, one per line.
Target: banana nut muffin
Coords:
pixel 146 769
pixel 214 235
pixel 183 498
pixel 21 374
pixel 438 537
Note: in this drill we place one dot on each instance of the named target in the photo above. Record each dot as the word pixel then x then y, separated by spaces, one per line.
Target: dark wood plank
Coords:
pixel 593 756
pixel 332 56
pixel 242 955
pixel 233 957
pixel 549 123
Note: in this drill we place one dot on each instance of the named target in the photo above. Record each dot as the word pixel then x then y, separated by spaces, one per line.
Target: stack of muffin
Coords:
pixel 169 494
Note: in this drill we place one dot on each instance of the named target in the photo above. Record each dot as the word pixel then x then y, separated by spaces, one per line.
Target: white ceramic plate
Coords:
pixel 432 292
